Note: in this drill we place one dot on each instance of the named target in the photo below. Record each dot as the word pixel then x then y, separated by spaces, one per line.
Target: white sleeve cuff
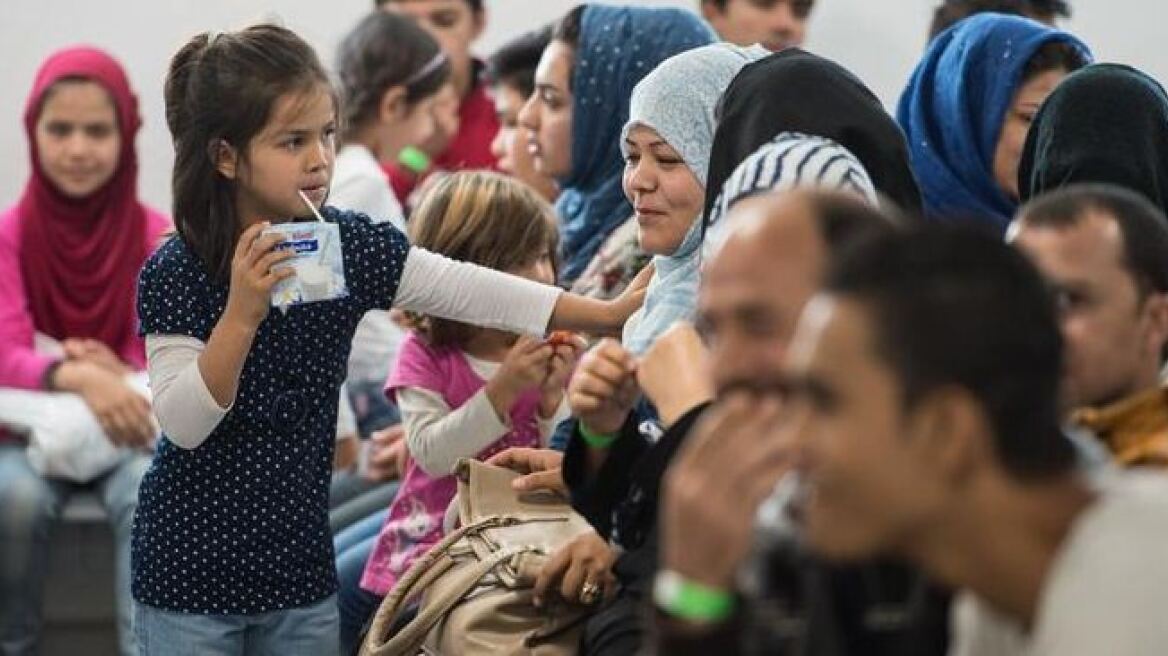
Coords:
pixel 438 286
pixel 184 406
pixel 437 437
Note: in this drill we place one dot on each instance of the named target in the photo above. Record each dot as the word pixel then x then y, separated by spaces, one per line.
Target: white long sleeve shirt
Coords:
pixel 431 284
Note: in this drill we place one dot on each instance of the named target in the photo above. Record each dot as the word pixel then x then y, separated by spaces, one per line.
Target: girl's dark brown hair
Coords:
pixel 486 219
pixel 223 89
pixel 387 50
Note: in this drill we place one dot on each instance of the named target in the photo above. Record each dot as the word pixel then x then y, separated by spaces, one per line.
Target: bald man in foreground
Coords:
pixel 752 294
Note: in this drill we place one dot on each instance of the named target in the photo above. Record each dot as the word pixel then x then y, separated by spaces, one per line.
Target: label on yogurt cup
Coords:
pixel 320 268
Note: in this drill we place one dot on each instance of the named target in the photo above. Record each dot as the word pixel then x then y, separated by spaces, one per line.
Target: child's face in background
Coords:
pixel 414 125
pixel 443 117
pixel 77 138
pixel 295 152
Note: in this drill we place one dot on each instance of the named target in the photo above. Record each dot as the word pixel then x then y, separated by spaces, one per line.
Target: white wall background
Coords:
pixel 879 40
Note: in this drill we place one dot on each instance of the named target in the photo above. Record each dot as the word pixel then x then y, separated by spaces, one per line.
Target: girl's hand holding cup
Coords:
pixel 252 275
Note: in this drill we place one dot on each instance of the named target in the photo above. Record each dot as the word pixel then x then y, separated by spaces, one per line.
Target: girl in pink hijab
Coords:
pixel 70 251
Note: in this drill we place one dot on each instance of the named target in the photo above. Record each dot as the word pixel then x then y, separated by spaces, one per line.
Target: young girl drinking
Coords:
pixel 464 392
pixel 231 548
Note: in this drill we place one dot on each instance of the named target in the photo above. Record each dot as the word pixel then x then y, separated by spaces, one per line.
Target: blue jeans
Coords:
pixel 353 546
pixel 29 508
pixel 307 630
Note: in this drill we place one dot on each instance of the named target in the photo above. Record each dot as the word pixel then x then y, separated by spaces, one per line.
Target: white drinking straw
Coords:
pixel 312 207
pixel 325 242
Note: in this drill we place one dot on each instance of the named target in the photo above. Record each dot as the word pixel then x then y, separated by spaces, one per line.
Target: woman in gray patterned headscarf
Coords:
pixel 666 144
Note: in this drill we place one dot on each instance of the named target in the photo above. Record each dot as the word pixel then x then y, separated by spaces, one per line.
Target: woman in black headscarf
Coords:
pixel 796 91
pixel 1105 123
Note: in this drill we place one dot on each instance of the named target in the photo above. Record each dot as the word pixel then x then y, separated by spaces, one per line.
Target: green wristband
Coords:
pixel 687 600
pixel 414 159
pixel 596 440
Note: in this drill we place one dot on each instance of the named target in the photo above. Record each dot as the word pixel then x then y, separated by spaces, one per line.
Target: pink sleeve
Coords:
pixel 158 225
pixel 20 365
pixel 417 365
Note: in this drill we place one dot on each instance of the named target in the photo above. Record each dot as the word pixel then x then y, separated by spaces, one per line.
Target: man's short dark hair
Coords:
pixel 475 5
pixel 1142 226
pixel 949 12
pixel 514 64
pixel 844 221
pixel 954 306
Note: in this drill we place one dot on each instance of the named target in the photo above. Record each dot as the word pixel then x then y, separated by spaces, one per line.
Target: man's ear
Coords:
pixel 226 158
pixel 1156 311
pixel 950 432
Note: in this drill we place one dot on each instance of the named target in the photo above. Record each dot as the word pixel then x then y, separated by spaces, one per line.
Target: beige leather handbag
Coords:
pixel 475 585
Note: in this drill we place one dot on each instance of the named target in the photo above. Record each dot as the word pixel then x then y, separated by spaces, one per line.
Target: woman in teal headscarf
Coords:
pixel 968 107
pixel 581 102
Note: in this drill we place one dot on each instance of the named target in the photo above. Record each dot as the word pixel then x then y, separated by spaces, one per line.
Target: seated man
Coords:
pixel 1105 251
pixel 923 421
pixel 775 24
pixel 751 295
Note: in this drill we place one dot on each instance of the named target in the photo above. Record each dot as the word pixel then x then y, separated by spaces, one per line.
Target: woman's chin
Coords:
pixel 656 244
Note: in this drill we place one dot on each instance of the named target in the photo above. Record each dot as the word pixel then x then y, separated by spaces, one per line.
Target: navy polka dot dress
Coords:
pixel 239 525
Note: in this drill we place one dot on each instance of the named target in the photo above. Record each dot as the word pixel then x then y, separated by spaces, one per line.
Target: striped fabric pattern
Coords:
pixel 790 161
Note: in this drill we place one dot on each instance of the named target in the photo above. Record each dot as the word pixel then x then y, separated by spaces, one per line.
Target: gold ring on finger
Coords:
pixel 589 593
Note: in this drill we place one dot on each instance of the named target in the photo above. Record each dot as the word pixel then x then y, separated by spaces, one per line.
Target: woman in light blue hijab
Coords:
pixel 666 145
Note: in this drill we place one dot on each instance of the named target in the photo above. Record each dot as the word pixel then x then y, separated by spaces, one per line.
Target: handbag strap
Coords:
pixel 455 587
pixel 435 564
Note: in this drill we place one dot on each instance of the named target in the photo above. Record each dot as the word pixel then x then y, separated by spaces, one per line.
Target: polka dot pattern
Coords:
pixel 240 524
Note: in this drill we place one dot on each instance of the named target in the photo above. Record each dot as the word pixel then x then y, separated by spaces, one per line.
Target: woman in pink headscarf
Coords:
pixel 70 251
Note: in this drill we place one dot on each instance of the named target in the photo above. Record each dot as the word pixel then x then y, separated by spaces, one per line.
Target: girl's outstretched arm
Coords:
pixel 438 286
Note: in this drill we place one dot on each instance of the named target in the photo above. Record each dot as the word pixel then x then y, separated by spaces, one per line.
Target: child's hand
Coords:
pixel 524 368
pixel 252 277
pixel 560 367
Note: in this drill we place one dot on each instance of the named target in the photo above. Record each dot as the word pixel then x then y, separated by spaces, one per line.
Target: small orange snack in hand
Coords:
pixel 561 338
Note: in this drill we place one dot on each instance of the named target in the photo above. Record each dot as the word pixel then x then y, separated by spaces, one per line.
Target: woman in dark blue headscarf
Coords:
pixel 581 103
pixel 969 104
